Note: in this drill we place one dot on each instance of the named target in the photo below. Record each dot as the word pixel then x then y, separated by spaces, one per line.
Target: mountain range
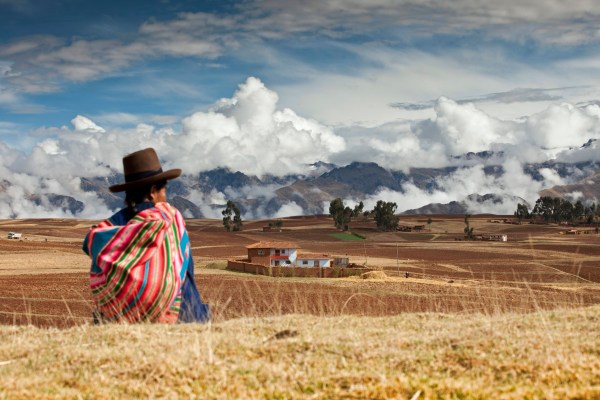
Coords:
pixel 265 196
pixel 484 182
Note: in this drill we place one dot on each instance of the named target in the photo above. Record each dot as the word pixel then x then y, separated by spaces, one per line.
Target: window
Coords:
pixel 261 252
pixel 304 262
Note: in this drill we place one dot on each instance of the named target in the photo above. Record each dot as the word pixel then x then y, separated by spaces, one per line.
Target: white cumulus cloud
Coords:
pixel 289 210
pixel 82 123
pixel 248 133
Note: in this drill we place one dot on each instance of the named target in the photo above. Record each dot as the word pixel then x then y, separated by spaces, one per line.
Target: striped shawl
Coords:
pixel 138 269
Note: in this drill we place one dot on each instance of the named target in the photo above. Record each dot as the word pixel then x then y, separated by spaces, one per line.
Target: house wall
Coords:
pixel 290 253
pixel 264 256
pixel 492 238
pixel 252 268
pixel 244 266
pixel 254 256
pixel 281 263
pixel 323 262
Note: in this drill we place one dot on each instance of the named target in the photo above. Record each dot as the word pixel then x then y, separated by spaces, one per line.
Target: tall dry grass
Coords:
pixel 378 296
pixel 545 355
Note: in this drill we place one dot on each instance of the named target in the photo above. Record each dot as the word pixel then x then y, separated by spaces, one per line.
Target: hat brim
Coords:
pixel 163 176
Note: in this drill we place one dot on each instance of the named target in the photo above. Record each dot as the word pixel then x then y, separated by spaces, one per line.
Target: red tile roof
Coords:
pixel 273 245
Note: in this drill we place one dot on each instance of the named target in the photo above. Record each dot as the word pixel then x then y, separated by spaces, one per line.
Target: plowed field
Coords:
pixel 43 277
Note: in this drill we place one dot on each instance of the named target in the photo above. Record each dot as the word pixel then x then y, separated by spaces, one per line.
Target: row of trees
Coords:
pixel 384 214
pixel 232 219
pixel 548 208
pixel 555 209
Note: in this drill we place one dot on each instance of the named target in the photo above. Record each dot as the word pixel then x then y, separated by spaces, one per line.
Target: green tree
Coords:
pixel 341 214
pixel 232 221
pixel 578 210
pixel 429 221
pixel 358 209
pixel 545 208
pixel 385 217
pixel 468 230
pixel 522 212
pixel 277 223
pixel 565 211
pixel 589 213
pixel 557 209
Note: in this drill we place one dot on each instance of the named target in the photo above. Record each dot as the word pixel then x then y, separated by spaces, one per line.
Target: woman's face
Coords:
pixel 158 195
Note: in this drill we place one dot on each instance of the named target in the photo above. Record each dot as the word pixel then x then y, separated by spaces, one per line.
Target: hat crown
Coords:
pixel 143 168
pixel 141 164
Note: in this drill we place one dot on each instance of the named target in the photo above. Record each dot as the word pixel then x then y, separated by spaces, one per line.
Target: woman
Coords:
pixel 142 266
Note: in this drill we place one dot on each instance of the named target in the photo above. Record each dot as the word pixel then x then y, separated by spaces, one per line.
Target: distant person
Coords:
pixel 142 266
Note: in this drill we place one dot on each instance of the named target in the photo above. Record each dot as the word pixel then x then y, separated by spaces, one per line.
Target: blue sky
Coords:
pixel 404 83
pixel 170 58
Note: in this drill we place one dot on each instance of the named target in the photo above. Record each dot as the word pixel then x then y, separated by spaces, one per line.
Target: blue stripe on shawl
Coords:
pixel 101 238
pixel 186 251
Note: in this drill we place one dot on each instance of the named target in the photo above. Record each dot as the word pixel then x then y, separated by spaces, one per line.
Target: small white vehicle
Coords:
pixel 14 235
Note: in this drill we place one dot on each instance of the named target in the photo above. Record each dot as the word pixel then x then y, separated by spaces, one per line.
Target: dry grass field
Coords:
pixel 472 320
pixel 543 355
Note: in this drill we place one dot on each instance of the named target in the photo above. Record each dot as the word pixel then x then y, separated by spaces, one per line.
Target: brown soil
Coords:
pixel 537 268
pixel 63 299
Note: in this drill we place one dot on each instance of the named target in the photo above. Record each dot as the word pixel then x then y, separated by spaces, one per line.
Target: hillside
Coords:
pixel 587 188
pixel 551 355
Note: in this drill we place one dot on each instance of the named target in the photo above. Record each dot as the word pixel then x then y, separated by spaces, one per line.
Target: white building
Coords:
pixel 313 260
pixel 284 254
pixel 495 238
pixel 274 254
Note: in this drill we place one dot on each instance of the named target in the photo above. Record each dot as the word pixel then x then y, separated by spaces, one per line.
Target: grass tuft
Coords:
pixel 216 265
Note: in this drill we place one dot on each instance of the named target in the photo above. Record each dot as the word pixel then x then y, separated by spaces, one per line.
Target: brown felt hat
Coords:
pixel 143 168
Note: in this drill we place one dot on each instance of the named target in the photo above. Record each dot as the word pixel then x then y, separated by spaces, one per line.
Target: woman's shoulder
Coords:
pixel 171 211
pixel 121 217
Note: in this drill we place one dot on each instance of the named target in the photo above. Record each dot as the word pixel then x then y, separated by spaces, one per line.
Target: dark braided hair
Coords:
pixel 136 196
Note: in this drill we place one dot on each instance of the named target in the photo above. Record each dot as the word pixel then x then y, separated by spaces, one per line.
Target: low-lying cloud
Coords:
pixel 249 133
pixel 458 186
pixel 512 96
pixel 457 129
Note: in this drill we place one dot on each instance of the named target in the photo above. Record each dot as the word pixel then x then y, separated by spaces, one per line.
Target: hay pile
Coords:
pixel 374 275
